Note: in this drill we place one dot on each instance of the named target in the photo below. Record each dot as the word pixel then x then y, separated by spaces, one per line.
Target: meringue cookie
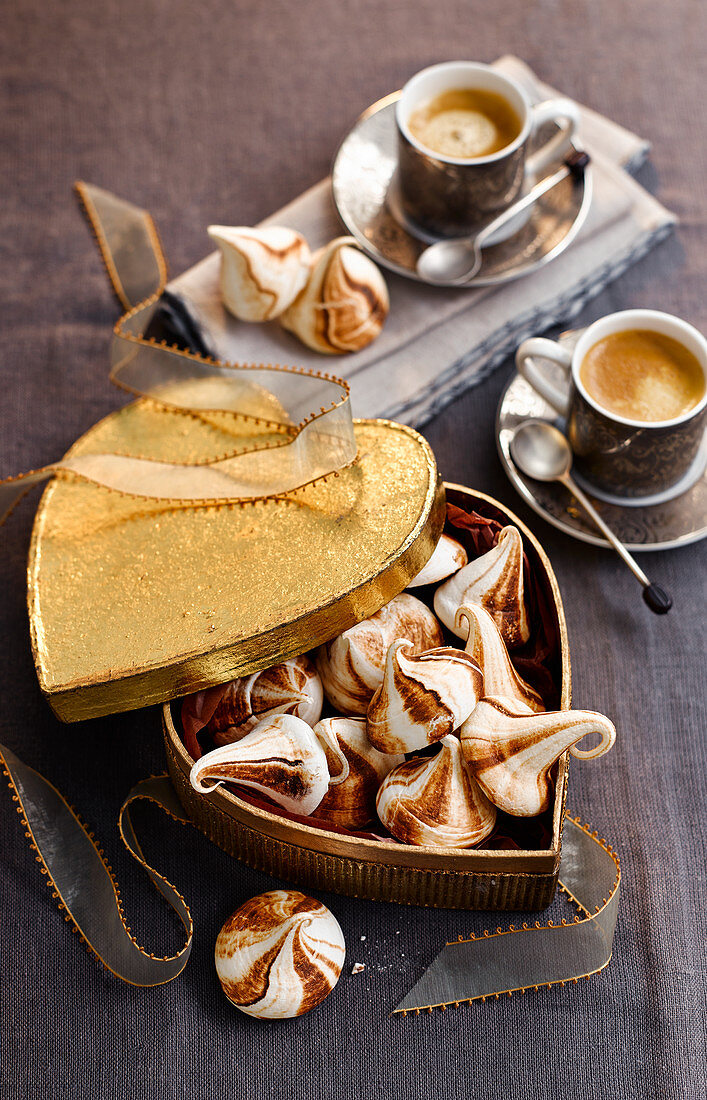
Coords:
pixel 344 303
pixel 352 804
pixel 279 955
pixel 486 646
pixel 292 687
pixel 351 665
pixel 495 582
pixel 262 270
pixel 435 800
pixel 423 697
pixel 510 751
pixel 281 757
pixel 448 557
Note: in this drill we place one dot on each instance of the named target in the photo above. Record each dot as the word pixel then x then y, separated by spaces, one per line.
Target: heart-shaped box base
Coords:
pixel 446 877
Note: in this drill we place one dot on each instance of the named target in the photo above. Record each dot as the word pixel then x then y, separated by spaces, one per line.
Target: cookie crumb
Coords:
pixel 357 968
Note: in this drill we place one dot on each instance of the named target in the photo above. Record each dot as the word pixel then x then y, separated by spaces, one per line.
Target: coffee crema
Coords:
pixel 466 123
pixel 642 375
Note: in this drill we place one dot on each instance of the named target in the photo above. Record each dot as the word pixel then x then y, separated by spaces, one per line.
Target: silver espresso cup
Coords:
pixel 449 197
pixel 623 457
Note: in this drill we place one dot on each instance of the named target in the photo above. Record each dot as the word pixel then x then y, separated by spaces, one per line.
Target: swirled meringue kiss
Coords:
pixel 279 955
pixel 282 758
pixel 495 582
pixel 448 557
pixel 436 801
pixel 510 750
pixel 352 803
pixel 344 303
pixel 292 687
pixel 262 270
pixel 351 665
pixel 486 646
pixel 423 697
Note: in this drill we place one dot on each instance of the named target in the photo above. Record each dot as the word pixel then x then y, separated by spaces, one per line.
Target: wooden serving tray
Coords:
pixel 322 860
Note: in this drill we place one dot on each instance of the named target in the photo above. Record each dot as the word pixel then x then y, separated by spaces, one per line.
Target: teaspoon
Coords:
pixel 458 259
pixel 542 452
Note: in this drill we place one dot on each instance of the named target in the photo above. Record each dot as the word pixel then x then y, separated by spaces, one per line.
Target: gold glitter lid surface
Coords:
pixel 136 601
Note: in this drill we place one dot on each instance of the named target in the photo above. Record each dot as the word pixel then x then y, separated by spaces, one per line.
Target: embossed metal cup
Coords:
pixel 623 457
pixel 449 197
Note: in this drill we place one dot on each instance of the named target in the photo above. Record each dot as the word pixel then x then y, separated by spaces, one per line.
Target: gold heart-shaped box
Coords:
pixel 323 860
pixel 136 601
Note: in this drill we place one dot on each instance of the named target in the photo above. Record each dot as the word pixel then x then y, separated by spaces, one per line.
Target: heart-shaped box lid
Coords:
pixel 136 601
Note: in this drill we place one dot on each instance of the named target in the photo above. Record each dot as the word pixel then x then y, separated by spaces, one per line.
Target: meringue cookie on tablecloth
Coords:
pixel 344 303
pixel 279 955
pixel 262 270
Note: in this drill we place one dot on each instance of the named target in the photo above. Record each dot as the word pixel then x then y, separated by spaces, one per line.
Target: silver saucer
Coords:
pixel 671 523
pixel 363 186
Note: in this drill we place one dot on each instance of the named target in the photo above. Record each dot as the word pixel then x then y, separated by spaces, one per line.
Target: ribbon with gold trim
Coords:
pixel 539 955
pixel 82 882
pixel 474 968
pixel 315 440
pixel 302 428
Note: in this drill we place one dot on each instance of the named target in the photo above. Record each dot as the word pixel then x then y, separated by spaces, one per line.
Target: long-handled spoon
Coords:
pixel 542 452
pixel 458 260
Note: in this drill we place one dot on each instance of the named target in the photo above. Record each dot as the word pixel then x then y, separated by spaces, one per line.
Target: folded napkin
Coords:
pixel 436 342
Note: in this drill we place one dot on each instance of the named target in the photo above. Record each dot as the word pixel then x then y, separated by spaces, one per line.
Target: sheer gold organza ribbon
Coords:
pixel 475 968
pixel 312 414
pixel 308 412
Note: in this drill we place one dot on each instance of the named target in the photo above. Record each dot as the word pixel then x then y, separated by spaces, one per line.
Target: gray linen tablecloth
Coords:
pixel 222 112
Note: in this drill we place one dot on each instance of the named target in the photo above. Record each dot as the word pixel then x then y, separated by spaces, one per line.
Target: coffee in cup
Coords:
pixel 465 123
pixel 636 402
pixel 642 375
pixel 464 133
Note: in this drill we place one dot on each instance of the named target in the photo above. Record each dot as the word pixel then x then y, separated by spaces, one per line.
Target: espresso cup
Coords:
pixel 620 456
pixel 451 197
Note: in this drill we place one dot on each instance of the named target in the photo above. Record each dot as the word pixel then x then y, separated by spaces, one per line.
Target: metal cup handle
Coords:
pixel 565 113
pixel 528 369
